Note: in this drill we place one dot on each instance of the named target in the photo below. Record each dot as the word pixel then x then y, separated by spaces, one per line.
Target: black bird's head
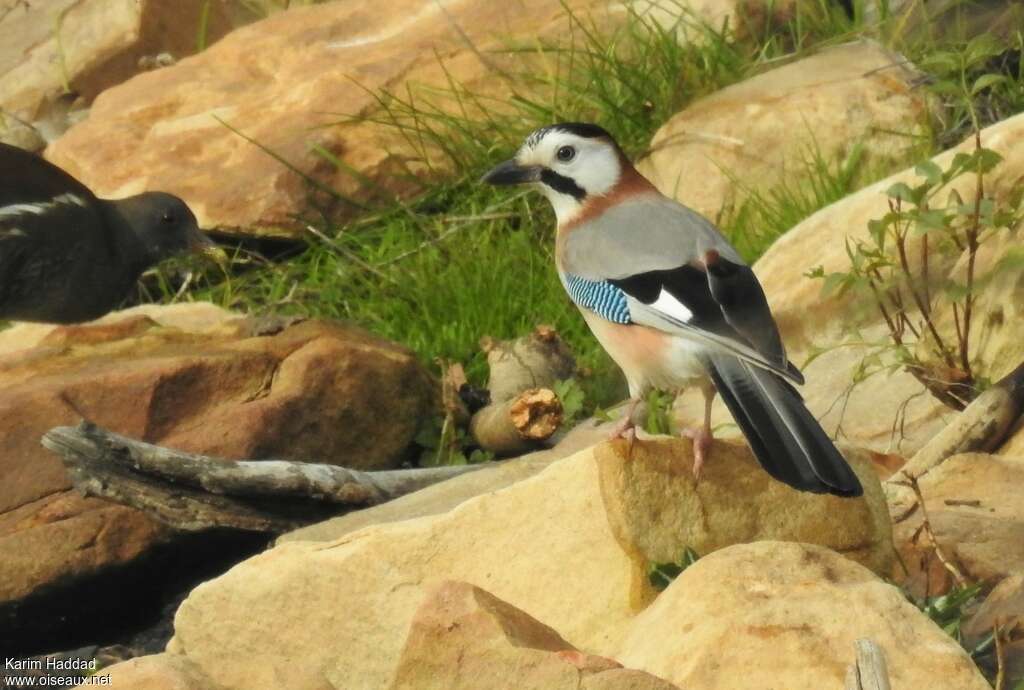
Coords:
pixel 165 226
pixel 569 163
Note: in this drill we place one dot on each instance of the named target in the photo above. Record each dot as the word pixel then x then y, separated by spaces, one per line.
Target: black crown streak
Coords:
pixel 580 129
pixel 562 184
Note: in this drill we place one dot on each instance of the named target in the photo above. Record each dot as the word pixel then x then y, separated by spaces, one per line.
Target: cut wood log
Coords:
pixel 195 492
pixel 524 410
pixel 537 360
pixel 517 425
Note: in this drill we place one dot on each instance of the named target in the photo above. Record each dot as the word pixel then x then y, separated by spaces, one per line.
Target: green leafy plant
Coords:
pixel 659 412
pixel 661 575
pixel 573 398
pixel 903 267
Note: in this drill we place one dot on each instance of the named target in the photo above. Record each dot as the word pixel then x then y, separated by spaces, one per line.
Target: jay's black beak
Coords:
pixel 511 172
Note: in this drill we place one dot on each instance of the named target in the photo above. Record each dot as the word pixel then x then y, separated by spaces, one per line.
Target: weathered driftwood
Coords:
pixel 517 425
pixel 195 492
pixel 524 411
pixel 981 427
pixel 869 671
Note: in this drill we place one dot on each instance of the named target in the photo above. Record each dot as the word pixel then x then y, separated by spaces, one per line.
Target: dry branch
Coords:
pixel 981 427
pixel 194 492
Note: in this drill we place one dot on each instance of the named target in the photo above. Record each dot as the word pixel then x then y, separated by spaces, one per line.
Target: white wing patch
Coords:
pixel 670 306
pixel 42 207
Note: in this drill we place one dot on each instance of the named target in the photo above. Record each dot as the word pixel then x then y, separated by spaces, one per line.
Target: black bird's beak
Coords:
pixel 199 243
pixel 511 172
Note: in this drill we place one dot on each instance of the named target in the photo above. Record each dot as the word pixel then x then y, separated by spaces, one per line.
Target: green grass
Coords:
pixel 463 260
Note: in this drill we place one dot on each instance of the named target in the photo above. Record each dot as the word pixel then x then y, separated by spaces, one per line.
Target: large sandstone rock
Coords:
pixel 463 638
pixel 776 615
pixel 195 378
pixel 90 45
pixel 755 134
pixel 570 546
pixel 460 638
pixel 890 412
pixel 1014 445
pixel 285 82
pixel 976 514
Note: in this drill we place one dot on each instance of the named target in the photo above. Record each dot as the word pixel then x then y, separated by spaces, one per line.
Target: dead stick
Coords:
pixel 997 635
pixel 191 492
pixel 869 671
pixel 926 526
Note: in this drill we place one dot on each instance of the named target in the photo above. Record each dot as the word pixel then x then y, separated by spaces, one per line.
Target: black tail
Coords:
pixel 786 439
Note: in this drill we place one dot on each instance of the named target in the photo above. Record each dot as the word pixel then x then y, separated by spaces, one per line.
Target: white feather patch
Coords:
pixel 670 306
pixel 38 209
pixel 11 233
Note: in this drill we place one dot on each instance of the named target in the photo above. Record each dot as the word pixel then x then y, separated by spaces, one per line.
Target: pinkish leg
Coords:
pixel 626 428
pixel 701 435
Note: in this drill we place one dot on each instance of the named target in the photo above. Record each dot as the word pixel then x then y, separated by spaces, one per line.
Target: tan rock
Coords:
pixel 155 672
pixel 976 515
pixel 463 638
pixel 752 135
pixel 1013 447
pixel 743 18
pixel 784 615
pixel 460 637
pixel 90 45
pixel 570 546
pixel 285 82
pixel 15 132
pixel 244 388
pixel 889 412
pixel 309 391
pixel 64 536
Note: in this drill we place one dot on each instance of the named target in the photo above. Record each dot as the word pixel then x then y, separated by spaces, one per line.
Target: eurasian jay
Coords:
pixel 672 302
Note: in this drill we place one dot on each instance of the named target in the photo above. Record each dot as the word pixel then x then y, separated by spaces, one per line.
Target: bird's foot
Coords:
pixel 625 430
pixel 702 439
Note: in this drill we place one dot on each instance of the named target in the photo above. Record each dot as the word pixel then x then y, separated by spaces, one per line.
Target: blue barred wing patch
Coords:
pixel 600 297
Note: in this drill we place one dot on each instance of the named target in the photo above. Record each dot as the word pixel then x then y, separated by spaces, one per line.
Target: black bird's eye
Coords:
pixel 566 154
pixel 167 218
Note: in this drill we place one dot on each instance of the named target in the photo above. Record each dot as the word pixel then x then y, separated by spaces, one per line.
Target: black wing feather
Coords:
pixel 726 299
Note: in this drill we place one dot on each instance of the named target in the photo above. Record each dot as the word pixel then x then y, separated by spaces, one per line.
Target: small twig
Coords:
pixel 926 527
pixel 972 503
pixel 997 636
pixel 973 232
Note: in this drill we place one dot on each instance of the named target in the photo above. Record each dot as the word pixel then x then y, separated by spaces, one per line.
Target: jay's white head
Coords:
pixel 571 163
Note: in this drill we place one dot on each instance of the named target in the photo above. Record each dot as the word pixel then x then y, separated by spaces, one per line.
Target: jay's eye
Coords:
pixel 167 217
pixel 566 154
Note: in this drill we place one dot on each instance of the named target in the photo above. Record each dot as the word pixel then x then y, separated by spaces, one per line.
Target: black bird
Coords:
pixel 67 256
